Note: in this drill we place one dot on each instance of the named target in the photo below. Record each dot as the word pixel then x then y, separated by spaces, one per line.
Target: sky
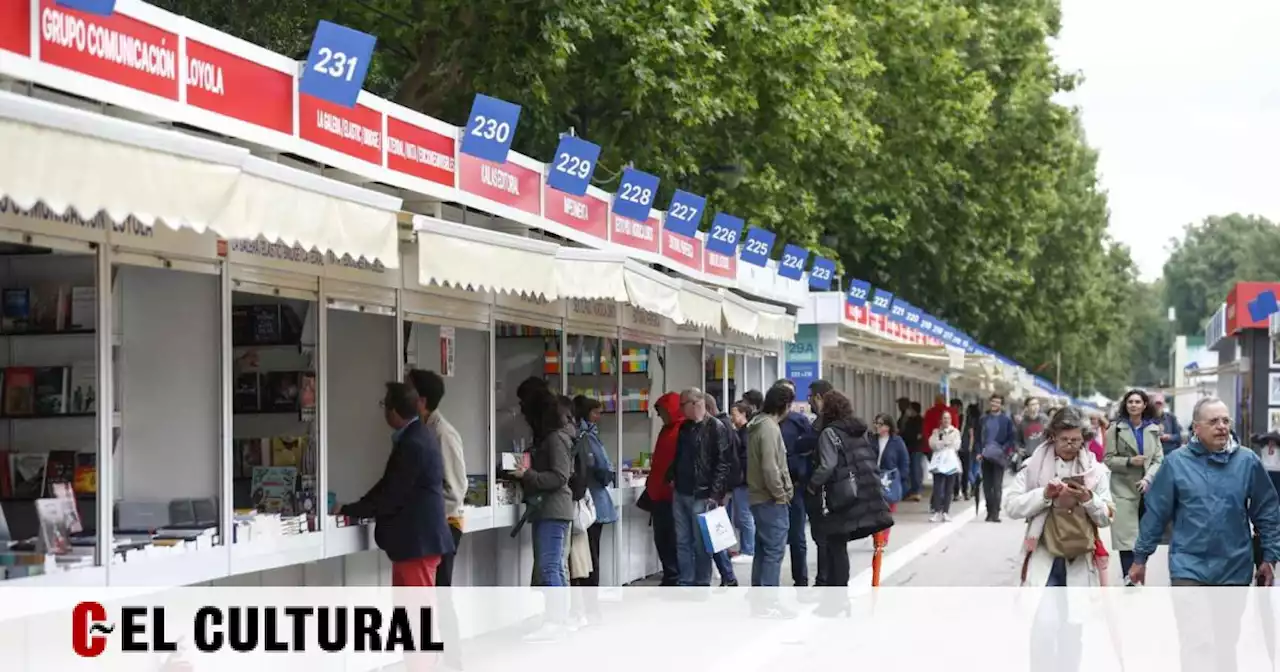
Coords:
pixel 1182 100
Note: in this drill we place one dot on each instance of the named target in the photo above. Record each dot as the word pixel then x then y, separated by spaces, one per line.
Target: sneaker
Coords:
pixel 576 623
pixel 729 584
pixel 743 559
pixel 946 517
pixel 935 517
pixel 549 632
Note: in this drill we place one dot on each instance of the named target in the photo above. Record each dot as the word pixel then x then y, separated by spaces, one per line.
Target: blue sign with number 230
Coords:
pixel 337 64
pixel 491 127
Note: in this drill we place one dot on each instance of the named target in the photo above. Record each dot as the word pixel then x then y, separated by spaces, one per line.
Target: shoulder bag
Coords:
pixel 1068 533
pixel 841 493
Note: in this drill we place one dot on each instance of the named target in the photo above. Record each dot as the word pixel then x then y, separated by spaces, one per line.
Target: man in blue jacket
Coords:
pixel 1212 492
pixel 996 440
pixel 800 439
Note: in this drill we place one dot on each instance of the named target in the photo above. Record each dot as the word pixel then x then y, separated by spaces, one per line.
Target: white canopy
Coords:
pixel 466 257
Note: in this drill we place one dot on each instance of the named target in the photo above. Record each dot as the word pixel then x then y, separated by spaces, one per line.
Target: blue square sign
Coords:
pixel 573 166
pixel 758 247
pixel 491 127
pixel 685 213
pixel 635 194
pixel 99 7
pixel 791 266
pixel 859 293
pixel 725 231
pixel 898 311
pixel 913 315
pixel 337 64
pixel 822 273
pixel 881 302
pixel 926 322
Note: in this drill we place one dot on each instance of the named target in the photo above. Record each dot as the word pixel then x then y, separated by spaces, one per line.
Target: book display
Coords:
pixel 48 403
pixel 274 479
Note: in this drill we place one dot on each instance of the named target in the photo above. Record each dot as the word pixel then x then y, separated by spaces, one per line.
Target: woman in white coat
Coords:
pixel 945 464
pixel 1062 546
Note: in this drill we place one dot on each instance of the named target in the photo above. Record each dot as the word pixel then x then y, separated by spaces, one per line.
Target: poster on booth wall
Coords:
pixel 448 351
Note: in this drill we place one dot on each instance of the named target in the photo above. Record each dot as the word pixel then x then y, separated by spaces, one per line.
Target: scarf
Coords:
pixel 1040 470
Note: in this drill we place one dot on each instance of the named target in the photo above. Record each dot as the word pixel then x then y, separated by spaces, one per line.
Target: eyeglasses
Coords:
pixel 1069 443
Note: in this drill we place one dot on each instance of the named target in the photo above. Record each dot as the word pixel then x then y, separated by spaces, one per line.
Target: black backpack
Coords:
pixel 581 455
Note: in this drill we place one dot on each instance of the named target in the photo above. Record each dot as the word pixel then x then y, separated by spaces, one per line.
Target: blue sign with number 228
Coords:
pixel 635 194
pixel 491 127
pixel 337 64
pixel 725 229
pixel 575 162
pixel 758 245
pixel 791 266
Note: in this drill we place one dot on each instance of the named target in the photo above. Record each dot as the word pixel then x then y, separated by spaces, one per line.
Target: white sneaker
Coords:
pixel 935 517
pixel 946 517
pixel 743 559
pixel 549 632
pixel 577 623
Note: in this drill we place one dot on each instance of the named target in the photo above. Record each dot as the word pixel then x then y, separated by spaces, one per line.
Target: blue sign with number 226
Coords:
pixel 575 162
pixel 635 194
pixel 725 229
pixel 337 64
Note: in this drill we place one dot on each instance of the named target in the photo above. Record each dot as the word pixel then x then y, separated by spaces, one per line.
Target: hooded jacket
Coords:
pixel 707 446
pixel 800 439
pixel 767 478
pixel 664 449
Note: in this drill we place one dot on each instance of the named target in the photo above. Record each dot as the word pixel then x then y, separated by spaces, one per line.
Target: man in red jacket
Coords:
pixel 660 491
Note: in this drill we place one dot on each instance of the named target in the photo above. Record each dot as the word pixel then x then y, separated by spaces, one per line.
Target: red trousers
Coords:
pixel 416 573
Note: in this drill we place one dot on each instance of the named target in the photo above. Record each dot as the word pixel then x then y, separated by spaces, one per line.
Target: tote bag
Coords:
pixel 717 531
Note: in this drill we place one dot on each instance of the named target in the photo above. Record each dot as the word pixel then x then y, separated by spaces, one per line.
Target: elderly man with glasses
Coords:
pixel 700 477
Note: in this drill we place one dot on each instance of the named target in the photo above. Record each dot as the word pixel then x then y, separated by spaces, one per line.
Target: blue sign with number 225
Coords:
pixel 756 249
pixel 337 64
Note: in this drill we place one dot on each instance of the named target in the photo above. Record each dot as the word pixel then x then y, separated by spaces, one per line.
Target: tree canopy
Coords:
pixel 917 141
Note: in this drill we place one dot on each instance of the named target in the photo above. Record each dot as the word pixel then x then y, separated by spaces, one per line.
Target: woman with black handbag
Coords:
pixel 845 488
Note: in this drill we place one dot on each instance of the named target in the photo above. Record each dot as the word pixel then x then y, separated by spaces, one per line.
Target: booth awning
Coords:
pixel 73 160
pixel 466 257
pixel 775 323
pixel 700 306
pixel 281 203
pixel 583 273
pixel 655 292
pixel 740 315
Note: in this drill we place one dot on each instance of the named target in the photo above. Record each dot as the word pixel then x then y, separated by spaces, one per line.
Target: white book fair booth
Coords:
pixel 197 326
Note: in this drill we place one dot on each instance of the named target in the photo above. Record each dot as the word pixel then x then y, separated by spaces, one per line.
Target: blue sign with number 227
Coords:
pixel 337 64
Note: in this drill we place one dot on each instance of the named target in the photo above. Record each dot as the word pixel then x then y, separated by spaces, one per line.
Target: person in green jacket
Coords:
pixel 769 487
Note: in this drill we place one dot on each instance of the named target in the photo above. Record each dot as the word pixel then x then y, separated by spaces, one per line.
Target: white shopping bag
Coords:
pixel 717 531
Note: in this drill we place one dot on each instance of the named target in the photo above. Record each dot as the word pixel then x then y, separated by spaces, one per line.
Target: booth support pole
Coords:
pixel 399 367
pixel 617 461
pixel 106 408
pixel 226 381
pixel 322 404
pixel 564 349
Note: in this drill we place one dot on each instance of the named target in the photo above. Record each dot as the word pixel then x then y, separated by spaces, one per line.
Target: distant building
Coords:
pixel 1193 372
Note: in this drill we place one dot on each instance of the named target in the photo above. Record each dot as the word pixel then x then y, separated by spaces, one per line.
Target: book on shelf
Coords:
pixel 17 309
pixel 265 324
pixel 51 390
pixel 477 490
pixel 84 308
pixel 247 397
pixel 85 481
pixel 60 470
pixel 82 390
pixel 273 489
pixel 280 392
pixel 307 395
pixel 27 473
pixel 50 308
pixel 55 516
pixel 19 390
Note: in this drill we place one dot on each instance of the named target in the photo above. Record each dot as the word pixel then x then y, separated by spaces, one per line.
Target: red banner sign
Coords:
pixel 114 48
pixel 15 26
pixel 719 265
pixel 638 235
pixel 239 88
pixel 355 131
pixel 506 183
pixel 418 152
pixel 683 250
pixel 587 214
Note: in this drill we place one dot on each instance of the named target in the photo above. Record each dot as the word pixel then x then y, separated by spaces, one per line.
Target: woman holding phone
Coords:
pixel 1064 495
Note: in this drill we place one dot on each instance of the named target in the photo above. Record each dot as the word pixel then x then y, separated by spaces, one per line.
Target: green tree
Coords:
pixel 1213 256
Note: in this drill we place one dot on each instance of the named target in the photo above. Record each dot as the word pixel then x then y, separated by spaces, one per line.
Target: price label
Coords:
pixel 859 293
pixel 685 213
pixel 337 64
pixel 635 194
pixel 758 247
pixel 881 302
pixel 820 276
pixel 491 127
pixel 573 166
pixel 791 266
pixel 725 231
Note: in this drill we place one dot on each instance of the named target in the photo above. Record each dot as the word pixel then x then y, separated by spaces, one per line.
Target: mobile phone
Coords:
pixel 1074 480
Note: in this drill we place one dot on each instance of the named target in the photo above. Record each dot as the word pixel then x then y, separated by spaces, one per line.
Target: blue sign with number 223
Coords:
pixel 337 64
pixel 821 274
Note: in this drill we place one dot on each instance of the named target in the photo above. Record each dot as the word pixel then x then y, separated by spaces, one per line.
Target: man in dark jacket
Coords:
pixel 912 430
pixel 700 476
pixel 407 503
pixel 800 439
pixel 997 438
pixel 737 477
pixel 1170 429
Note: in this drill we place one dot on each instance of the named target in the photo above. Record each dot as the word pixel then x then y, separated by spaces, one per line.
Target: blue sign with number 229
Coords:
pixel 635 194
pixel 574 164
pixel 725 229
pixel 337 64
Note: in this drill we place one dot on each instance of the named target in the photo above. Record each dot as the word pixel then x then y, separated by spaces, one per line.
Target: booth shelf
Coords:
pixel 53 332
pixel 339 541
pixel 173 569
pixel 505 515
pixel 265 554
pixel 476 518
pixel 86 577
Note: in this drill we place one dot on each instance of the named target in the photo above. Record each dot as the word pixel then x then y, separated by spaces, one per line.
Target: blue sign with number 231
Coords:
pixel 337 64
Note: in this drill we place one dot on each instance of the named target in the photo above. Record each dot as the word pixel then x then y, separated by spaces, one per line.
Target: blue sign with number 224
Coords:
pixel 337 64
